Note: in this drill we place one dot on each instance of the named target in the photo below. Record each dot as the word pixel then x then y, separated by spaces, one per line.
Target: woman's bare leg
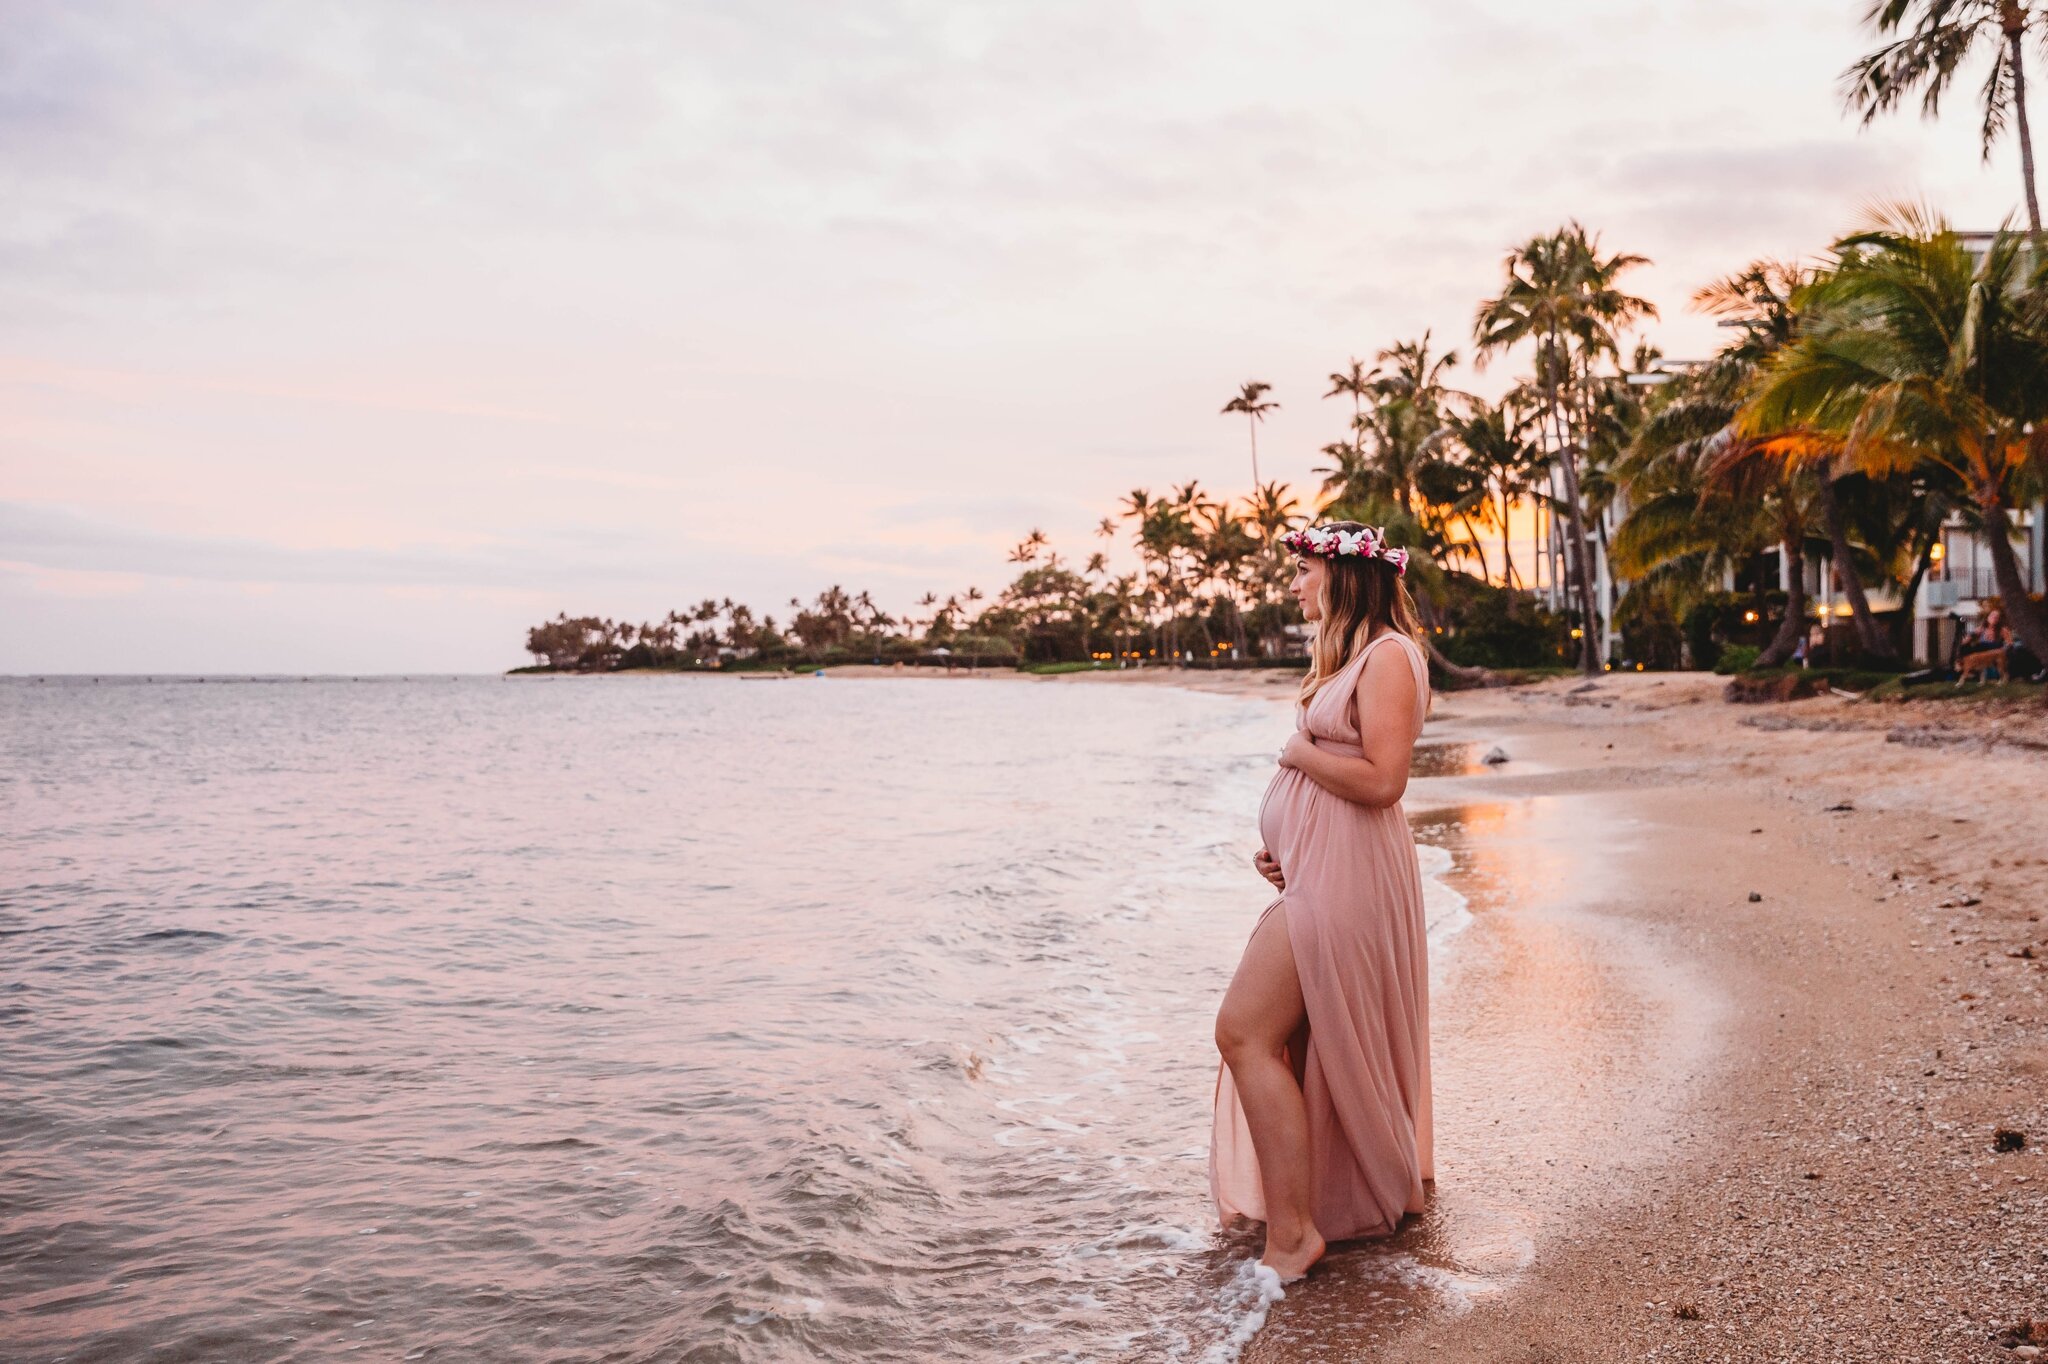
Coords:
pixel 1261 1013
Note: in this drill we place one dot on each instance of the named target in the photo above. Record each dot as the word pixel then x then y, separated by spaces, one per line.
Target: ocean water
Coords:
pixel 679 1019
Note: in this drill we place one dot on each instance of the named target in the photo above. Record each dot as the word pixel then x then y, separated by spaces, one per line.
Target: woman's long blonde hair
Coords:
pixel 1361 596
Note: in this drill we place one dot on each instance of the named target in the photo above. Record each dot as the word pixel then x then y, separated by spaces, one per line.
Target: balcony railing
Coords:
pixel 1962 584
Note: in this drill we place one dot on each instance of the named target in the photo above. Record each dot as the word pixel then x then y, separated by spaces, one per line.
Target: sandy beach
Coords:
pixel 1837 913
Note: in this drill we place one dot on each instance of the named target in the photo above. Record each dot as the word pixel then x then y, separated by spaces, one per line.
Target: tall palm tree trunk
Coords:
pixel 1568 460
pixel 2015 16
pixel 1868 633
pixel 1507 555
pixel 1252 420
pixel 1902 637
pixel 1793 626
pixel 2022 613
pixel 1478 547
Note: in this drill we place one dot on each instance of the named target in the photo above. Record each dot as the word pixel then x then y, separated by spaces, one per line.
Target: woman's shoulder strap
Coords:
pixel 1385 635
pixel 1417 658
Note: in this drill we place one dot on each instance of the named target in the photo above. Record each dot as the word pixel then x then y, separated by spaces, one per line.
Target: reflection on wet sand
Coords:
pixel 1466 758
pixel 1560 1045
pixel 1447 758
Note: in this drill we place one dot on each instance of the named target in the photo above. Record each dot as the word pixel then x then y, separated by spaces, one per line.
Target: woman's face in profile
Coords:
pixel 1307 586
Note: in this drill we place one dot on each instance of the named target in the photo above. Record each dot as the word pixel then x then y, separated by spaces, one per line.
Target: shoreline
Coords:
pixel 1829 917
pixel 1809 1173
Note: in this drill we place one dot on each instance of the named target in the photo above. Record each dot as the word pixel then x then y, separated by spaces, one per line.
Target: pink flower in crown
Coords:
pixel 1399 559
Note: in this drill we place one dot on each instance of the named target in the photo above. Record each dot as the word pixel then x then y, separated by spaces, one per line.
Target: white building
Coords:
pixel 1951 593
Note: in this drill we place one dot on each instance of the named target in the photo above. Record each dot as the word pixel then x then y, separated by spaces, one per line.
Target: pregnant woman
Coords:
pixel 1322 1126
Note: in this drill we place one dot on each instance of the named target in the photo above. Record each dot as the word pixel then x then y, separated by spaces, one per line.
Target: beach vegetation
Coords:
pixel 1737 658
pixel 1927 357
pixel 1562 300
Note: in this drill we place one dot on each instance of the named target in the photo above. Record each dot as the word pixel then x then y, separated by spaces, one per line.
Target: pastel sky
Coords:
pixel 356 338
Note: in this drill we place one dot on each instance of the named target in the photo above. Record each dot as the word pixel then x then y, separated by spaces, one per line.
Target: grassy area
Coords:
pixel 1053 669
pixel 1845 679
pixel 2013 693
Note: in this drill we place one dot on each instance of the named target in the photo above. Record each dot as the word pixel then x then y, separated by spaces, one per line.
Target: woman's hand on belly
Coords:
pixel 1269 869
pixel 1367 781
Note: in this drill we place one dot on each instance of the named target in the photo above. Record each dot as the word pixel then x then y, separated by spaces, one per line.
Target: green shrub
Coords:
pixel 1490 627
pixel 1051 669
pixel 1737 658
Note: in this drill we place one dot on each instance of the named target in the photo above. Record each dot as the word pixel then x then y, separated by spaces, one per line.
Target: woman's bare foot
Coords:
pixel 1292 1260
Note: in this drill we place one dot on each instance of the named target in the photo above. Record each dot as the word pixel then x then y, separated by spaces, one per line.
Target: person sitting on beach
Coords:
pixel 1985 649
pixel 1986 633
pixel 1322 1123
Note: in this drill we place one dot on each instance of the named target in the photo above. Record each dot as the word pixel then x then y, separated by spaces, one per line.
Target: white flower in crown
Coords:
pixel 1320 539
pixel 1398 558
pixel 1356 542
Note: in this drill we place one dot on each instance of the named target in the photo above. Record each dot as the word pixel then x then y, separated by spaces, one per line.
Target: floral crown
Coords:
pixel 1365 543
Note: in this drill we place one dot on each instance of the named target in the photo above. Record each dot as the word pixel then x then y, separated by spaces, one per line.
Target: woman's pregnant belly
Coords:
pixel 1280 811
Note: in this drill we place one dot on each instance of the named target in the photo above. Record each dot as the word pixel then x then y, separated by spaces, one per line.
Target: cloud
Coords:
pixel 62 540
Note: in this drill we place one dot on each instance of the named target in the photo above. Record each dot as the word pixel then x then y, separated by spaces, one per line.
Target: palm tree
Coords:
pixel 1921 352
pixel 1414 373
pixel 1407 423
pixel 1225 546
pixel 1943 36
pixel 1355 383
pixel 1561 295
pixel 1251 401
pixel 1707 496
pixel 1604 312
pixel 1539 302
pixel 1122 607
pixel 1272 511
pixel 1397 438
pixel 1495 439
pixel 1762 300
pixel 1455 492
pixel 1684 532
pixel 1029 549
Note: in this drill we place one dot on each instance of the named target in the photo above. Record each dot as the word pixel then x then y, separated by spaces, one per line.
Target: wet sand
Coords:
pixel 1719 1064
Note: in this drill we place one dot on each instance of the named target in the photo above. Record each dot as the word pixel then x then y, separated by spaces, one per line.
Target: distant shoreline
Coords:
pixel 1198 677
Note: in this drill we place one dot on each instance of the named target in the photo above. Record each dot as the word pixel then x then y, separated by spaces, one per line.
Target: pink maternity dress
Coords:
pixel 1354 916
